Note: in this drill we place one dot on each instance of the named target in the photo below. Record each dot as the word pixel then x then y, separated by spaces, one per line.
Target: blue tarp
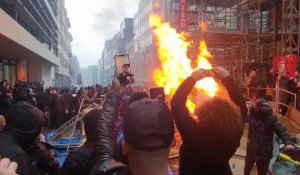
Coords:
pixel 279 166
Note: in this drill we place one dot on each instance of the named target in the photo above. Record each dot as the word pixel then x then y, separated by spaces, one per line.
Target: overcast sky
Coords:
pixel 93 22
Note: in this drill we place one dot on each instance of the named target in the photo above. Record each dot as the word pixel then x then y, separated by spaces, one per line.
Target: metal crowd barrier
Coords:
pixel 274 103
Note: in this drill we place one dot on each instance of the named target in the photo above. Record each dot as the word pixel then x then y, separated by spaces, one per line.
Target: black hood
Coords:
pixel 24 123
pixel 261 108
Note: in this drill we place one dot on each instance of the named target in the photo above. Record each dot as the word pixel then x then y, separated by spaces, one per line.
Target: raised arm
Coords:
pixel 105 141
pixel 186 125
pixel 105 127
pixel 233 90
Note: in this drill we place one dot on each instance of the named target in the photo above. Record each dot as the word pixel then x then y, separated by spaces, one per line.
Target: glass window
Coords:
pixel 7 72
pixel 1 71
pixel 13 75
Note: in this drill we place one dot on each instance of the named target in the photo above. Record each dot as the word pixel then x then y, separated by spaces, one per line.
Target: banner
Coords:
pixel 183 15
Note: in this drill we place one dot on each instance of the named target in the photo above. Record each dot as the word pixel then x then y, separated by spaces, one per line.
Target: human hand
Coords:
pixel 117 87
pixel 221 72
pixel 2 122
pixel 199 74
pixel 289 147
pixel 7 167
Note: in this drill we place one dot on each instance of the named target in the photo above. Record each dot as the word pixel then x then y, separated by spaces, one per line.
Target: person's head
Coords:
pixel 127 100
pixel 148 131
pixel 221 122
pixel 25 122
pixel 126 68
pixel 253 74
pixel 296 74
pixel 21 96
pixel 137 96
pixel 90 121
pixel 261 107
pixel 53 91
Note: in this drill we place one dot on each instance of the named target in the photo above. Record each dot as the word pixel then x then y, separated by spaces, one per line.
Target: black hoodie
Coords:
pixel 24 124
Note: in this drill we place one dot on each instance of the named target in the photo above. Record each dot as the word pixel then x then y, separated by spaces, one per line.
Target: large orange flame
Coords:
pixel 175 65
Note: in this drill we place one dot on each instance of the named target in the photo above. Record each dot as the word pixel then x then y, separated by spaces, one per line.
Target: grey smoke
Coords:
pixel 107 21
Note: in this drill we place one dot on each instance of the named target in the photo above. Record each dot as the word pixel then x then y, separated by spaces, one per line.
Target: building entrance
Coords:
pixel 8 70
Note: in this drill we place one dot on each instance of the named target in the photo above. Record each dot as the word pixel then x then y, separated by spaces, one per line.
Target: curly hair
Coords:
pixel 220 120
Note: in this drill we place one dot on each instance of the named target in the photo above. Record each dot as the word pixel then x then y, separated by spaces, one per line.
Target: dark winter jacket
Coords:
pixel 43 101
pixel 105 142
pixel 200 155
pixel 19 134
pixel 105 127
pixel 55 112
pixel 42 157
pixel 262 125
pixel 67 102
pixel 10 148
pixel 5 104
pixel 79 161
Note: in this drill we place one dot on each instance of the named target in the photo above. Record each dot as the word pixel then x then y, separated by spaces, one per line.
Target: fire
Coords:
pixel 175 65
pixel 203 26
pixel 207 84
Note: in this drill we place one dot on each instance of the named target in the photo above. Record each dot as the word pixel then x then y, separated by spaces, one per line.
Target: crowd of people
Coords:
pixel 266 89
pixel 132 134
pixel 58 106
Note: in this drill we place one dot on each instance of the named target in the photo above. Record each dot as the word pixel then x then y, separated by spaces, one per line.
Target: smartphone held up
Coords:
pixel 158 93
pixel 122 66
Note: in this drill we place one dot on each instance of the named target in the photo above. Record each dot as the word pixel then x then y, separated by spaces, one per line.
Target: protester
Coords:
pixel 7 167
pixel 81 160
pixel 120 124
pixel 120 139
pixel 126 77
pixel 293 82
pixel 43 100
pixel 283 96
pixel 24 124
pixel 206 149
pixel 148 136
pixel 272 78
pixel 254 84
pixel 67 105
pixel 42 156
pixel 262 124
pixel 55 109
pixel 292 85
pixel 5 98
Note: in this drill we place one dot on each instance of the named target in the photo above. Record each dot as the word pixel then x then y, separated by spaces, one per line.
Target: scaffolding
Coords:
pixel 245 31
pixel 290 27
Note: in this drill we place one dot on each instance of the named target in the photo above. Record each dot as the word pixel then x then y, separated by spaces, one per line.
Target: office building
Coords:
pixel 35 42
pixel 116 45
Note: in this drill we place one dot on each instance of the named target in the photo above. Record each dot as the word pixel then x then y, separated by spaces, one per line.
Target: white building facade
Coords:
pixel 34 41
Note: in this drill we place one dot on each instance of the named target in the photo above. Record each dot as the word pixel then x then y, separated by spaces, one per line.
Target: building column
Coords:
pixel 22 69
